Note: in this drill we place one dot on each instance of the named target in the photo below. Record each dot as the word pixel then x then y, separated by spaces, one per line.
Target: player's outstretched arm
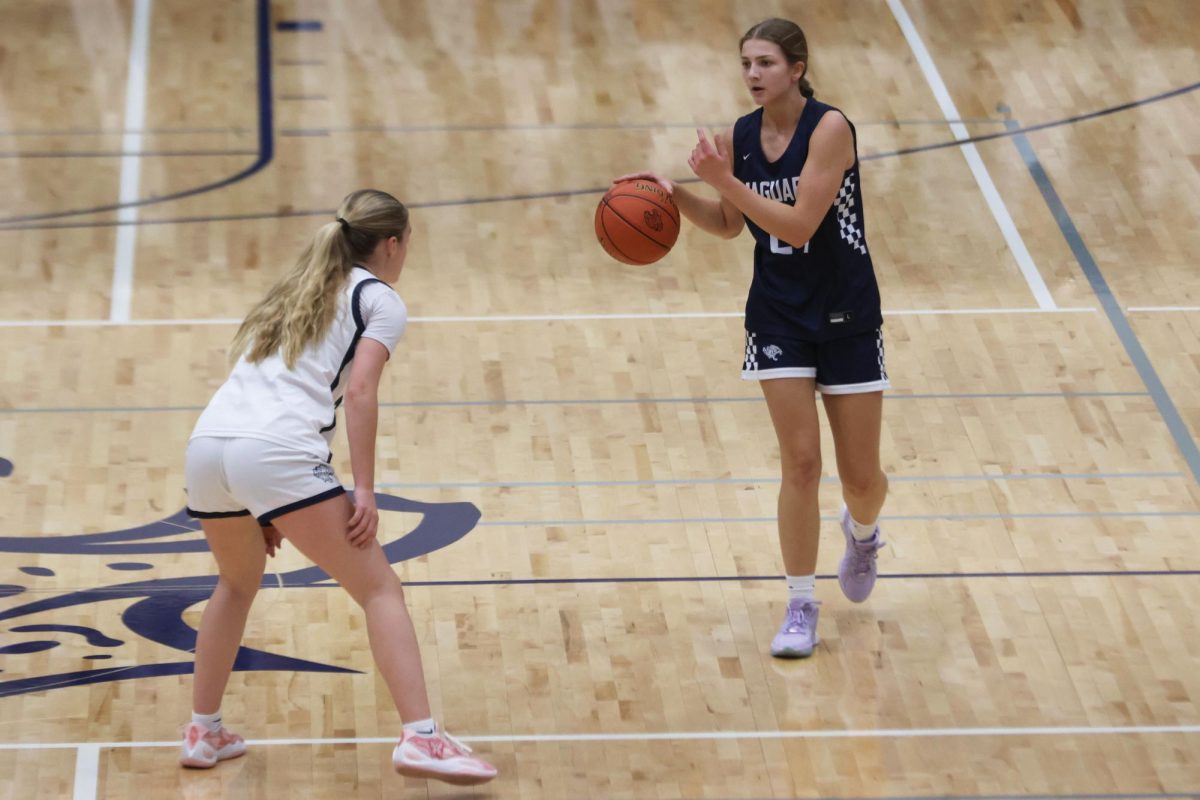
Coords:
pixel 716 216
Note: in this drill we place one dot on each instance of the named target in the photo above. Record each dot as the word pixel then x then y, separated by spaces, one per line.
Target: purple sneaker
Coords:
pixel 856 573
pixel 798 635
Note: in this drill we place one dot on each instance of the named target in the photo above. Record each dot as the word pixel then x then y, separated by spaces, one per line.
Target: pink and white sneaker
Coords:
pixel 441 757
pixel 202 749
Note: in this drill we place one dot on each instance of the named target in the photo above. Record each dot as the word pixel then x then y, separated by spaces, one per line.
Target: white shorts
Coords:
pixel 228 477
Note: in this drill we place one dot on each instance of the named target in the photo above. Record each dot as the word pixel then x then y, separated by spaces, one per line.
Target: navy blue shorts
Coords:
pixel 852 365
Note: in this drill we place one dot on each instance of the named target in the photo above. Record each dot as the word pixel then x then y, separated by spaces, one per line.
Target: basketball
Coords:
pixel 637 222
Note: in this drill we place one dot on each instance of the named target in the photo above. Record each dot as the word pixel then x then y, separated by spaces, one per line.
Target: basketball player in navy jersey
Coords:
pixel 789 170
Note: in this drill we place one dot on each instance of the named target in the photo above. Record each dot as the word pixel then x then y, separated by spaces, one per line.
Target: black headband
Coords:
pixel 345 225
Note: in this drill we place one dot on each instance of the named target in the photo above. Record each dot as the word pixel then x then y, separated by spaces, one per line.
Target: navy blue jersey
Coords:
pixel 817 290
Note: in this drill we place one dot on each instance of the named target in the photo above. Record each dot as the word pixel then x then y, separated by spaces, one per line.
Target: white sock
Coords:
pixel 211 722
pixel 860 531
pixel 802 587
pixel 423 727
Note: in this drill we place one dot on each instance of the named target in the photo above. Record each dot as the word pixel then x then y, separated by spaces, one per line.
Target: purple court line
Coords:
pixel 273 580
pixel 37 224
pixel 121 132
pixel 120 154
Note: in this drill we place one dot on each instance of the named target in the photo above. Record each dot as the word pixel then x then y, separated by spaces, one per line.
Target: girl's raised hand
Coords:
pixel 709 161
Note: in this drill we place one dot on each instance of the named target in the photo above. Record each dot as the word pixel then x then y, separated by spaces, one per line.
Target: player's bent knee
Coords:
pixel 239 589
pixel 865 483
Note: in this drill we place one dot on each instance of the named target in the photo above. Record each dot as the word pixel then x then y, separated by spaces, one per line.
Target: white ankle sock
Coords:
pixel 424 727
pixel 860 531
pixel 802 587
pixel 211 722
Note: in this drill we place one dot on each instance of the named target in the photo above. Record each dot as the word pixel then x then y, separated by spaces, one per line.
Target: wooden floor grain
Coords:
pixel 603 630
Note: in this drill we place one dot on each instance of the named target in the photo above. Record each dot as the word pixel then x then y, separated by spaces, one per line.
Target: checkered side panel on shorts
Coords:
pixel 848 218
pixel 751 353
pixel 879 344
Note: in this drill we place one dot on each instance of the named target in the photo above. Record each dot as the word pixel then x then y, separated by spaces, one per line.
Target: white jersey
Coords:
pixel 297 407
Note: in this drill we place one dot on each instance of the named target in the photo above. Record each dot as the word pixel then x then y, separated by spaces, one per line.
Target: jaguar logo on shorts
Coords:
pixel 325 473
pixel 653 220
pixel 772 352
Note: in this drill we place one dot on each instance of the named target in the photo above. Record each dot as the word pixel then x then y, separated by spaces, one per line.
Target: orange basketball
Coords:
pixel 637 222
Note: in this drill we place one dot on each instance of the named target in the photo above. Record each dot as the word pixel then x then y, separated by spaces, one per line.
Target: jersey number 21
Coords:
pixel 785 249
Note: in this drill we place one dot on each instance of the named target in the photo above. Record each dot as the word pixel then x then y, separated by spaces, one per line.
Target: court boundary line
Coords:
pixel 564 523
pixel 87 772
pixel 15 133
pixel 589 126
pixel 1178 428
pixel 895 576
pixel 125 247
pixel 249 216
pixel 302 132
pixel 774 479
pixel 594 401
pixel 275 580
pixel 67 154
pixel 488 318
pixel 536 738
pixel 995 202
pixel 1042 126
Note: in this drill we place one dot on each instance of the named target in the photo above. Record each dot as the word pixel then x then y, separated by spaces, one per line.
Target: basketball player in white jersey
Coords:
pixel 789 171
pixel 258 466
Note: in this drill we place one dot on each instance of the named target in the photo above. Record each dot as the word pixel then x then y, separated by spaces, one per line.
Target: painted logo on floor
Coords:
pixel 157 614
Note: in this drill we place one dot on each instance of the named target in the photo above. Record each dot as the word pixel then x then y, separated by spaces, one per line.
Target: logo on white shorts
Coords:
pixel 772 352
pixel 325 473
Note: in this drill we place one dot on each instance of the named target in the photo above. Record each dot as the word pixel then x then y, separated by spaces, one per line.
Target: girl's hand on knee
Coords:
pixel 273 539
pixel 364 522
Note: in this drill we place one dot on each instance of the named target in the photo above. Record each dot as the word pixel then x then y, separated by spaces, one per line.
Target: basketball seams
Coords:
pixel 612 243
pixel 632 226
pixel 649 199
pixel 606 239
pixel 624 219
pixel 646 214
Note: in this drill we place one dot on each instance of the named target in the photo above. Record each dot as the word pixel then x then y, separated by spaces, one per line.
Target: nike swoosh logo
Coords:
pixel 745 156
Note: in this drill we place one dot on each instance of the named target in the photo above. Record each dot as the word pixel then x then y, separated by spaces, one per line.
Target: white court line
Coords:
pixel 1138 309
pixel 670 736
pixel 915 312
pixel 86 775
pixel 87 771
pixel 995 203
pixel 131 163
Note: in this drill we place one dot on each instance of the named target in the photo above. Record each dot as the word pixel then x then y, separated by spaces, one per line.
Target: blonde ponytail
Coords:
pixel 301 306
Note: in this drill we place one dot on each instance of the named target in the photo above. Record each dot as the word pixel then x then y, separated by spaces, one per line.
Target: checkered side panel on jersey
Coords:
pixel 848 218
pixel 751 353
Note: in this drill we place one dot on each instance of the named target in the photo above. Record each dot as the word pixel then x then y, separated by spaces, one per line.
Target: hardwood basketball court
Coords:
pixel 602 631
